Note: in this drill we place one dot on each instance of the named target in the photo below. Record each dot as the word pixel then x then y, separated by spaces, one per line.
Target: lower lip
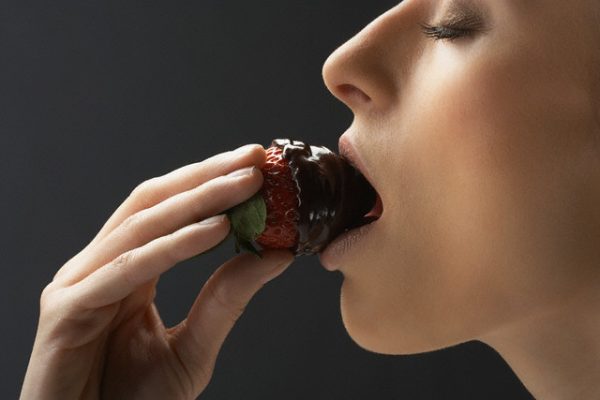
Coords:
pixel 334 253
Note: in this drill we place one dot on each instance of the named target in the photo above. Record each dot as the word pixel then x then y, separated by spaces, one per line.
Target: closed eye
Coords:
pixel 445 32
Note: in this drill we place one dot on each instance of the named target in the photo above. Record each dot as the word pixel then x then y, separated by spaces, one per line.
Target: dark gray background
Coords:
pixel 97 96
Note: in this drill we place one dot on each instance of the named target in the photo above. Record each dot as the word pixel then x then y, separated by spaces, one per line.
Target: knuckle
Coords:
pixel 123 264
pixel 55 305
pixel 132 225
pixel 47 297
pixel 65 322
pixel 147 193
pixel 221 297
pixel 70 325
pixel 123 261
pixel 131 221
pixel 56 300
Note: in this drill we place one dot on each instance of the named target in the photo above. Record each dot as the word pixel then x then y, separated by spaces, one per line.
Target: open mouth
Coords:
pixel 377 209
pixel 348 152
pixel 373 215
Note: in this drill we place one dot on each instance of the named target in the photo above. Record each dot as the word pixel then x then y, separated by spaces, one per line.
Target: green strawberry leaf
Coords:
pixel 248 221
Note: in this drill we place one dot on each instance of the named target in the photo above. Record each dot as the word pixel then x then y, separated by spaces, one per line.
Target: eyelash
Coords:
pixel 444 32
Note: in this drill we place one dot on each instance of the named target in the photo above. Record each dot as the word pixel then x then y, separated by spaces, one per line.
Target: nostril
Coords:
pixel 352 93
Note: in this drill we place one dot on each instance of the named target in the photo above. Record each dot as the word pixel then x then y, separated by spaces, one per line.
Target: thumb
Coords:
pixel 221 302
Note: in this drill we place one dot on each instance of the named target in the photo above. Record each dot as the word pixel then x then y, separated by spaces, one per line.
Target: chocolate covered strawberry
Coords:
pixel 280 194
pixel 309 196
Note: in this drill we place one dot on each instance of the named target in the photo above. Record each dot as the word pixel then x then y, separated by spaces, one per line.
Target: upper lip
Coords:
pixel 348 151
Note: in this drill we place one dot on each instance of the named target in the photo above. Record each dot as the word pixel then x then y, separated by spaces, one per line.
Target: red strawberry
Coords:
pixel 309 196
pixel 280 194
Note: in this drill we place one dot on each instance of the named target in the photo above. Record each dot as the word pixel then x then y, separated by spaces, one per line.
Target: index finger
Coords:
pixel 158 189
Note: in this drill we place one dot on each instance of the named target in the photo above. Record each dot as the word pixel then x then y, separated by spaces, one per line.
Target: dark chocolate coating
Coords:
pixel 333 195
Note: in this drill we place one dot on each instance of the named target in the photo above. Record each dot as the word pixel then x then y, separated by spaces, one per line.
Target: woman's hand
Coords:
pixel 100 334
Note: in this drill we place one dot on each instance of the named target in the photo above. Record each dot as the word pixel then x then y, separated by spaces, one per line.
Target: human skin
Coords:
pixel 99 333
pixel 485 149
pixel 486 152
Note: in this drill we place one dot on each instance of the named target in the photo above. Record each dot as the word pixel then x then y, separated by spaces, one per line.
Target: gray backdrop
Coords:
pixel 97 96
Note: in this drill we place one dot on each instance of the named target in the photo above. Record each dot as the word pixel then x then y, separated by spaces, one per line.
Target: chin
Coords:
pixel 376 332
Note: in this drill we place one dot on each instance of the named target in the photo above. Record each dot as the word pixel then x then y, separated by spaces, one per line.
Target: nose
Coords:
pixel 364 72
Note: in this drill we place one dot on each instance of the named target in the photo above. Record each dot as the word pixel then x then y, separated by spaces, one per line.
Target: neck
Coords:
pixel 556 354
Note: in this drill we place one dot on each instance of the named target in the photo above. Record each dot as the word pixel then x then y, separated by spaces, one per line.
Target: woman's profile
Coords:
pixel 478 123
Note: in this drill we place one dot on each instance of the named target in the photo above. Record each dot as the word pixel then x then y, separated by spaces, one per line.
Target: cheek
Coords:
pixel 495 155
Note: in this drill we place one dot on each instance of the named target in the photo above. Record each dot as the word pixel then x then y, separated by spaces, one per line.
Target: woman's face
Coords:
pixel 484 146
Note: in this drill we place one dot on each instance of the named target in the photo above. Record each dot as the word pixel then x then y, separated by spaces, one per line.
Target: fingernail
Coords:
pixel 242 172
pixel 217 219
